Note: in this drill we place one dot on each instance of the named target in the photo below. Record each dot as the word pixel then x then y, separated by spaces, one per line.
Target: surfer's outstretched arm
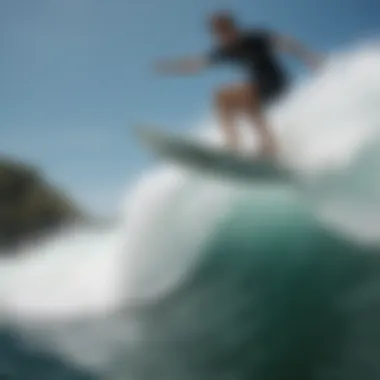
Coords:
pixel 182 66
pixel 297 49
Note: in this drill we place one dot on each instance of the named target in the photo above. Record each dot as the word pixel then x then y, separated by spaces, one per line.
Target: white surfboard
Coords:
pixel 215 161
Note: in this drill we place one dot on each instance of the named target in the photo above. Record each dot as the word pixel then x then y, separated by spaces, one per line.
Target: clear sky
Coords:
pixel 75 76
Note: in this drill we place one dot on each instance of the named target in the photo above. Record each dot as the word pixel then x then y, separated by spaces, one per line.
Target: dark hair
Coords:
pixel 221 19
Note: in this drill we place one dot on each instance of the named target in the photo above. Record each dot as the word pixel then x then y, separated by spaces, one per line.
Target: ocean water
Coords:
pixel 208 278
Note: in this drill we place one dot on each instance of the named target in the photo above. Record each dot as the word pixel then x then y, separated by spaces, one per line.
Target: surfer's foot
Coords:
pixel 231 146
pixel 267 152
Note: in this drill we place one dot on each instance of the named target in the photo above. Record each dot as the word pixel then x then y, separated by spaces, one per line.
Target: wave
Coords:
pixel 210 278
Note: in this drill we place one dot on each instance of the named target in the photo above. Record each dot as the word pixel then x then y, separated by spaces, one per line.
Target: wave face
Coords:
pixel 217 279
pixel 276 296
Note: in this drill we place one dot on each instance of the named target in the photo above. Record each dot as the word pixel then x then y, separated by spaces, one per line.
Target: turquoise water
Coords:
pixel 19 363
pixel 276 296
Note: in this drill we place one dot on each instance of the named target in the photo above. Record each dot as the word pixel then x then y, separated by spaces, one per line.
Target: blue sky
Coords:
pixel 75 76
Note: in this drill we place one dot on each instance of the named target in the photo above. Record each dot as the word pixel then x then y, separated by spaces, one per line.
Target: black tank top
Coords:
pixel 254 52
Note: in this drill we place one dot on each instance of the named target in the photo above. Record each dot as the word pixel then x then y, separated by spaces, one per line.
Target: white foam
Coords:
pixel 68 275
pixel 330 132
pixel 175 212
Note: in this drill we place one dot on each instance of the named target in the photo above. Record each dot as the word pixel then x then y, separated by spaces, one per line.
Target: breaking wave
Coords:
pixel 208 278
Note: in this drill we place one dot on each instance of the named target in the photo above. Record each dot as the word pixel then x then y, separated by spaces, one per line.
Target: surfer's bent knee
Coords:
pixel 224 99
pixel 237 97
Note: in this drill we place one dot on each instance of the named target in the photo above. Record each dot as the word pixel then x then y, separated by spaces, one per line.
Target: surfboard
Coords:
pixel 195 154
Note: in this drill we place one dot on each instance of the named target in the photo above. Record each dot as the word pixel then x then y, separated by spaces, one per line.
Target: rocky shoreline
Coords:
pixel 30 206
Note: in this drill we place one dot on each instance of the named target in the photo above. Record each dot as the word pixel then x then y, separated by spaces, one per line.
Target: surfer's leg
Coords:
pixel 227 106
pixel 251 104
pixel 268 143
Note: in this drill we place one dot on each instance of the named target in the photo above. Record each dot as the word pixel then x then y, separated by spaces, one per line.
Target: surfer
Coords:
pixel 254 51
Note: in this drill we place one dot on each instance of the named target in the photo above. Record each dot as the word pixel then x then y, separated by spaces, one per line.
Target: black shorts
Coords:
pixel 270 88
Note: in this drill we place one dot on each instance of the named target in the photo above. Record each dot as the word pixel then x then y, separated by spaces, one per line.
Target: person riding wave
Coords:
pixel 255 51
